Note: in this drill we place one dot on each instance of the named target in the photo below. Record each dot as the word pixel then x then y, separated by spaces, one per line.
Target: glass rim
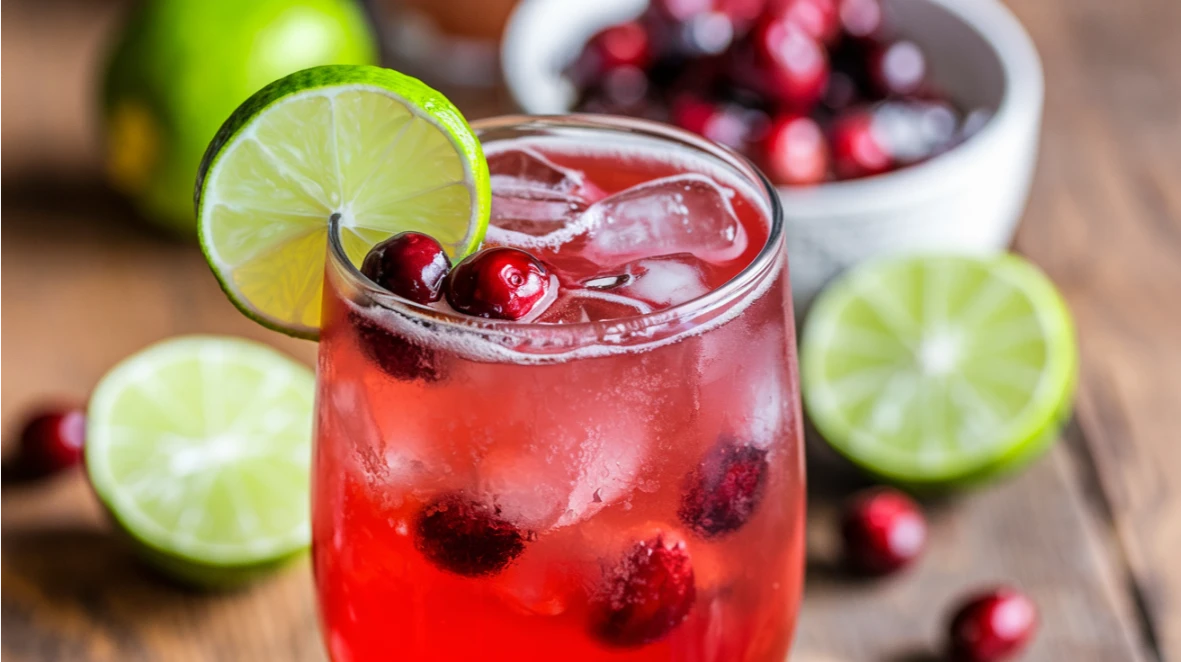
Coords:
pixel 728 292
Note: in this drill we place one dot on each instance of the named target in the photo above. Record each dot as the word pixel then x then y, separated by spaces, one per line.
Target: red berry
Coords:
pixel 857 150
pixel 467 537
pixel 727 124
pixel 498 283
pixel 787 66
pixel 412 265
pixel 398 356
pixel 883 531
pixel 794 152
pixel 861 18
pixel 722 492
pixel 647 594
pixel 819 18
pixel 623 45
pixel 52 441
pixel 992 626
pixel 897 69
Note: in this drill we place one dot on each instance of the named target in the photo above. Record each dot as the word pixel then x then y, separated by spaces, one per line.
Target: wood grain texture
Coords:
pixel 1105 222
pixel 1092 531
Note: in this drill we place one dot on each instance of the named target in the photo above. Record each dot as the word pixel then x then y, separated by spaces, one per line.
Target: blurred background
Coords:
pixel 1068 154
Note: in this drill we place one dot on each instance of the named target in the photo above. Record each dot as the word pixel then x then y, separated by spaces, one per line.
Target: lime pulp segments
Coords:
pixel 200 448
pixel 381 151
pixel 939 371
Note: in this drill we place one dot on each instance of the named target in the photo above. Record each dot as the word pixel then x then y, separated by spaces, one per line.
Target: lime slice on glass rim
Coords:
pixel 199 448
pixel 380 150
pixel 939 371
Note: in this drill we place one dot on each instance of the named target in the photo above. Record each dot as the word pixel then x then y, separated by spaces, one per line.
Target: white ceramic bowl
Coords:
pixel 969 199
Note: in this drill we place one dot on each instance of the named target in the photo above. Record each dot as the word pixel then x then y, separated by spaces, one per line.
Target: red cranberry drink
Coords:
pixel 582 442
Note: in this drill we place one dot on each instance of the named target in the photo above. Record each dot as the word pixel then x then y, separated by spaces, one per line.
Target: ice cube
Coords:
pixel 610 461
pixel 529 490
pixel 666 280
pixel 579 467
pixel 681 214
pixel 535 202
pixel 750 389
pixel 575 306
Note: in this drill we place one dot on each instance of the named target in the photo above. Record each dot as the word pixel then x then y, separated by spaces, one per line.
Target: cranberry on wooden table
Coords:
pixel 992 626
pixel 883 531
pixel 52 441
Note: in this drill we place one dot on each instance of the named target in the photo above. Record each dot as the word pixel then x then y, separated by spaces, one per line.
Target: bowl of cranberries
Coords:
pixel 886 125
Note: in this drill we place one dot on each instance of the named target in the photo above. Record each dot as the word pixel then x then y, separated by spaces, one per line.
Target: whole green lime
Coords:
pixel 180 67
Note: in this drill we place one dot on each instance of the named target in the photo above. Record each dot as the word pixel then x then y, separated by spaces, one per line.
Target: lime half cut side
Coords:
pixel 939 371
pixel 200 449
pixel 379 150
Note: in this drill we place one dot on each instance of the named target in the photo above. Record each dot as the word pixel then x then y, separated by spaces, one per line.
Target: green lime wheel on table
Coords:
pixel 200 447
pixel 939 371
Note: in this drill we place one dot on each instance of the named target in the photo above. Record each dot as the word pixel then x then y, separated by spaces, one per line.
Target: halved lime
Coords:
pixel 382 151
pixel 939 371
pixel 200 448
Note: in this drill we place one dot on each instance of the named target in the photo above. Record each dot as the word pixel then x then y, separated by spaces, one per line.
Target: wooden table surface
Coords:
pixel 1092 531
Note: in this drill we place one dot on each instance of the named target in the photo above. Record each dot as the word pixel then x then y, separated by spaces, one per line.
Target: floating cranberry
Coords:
pixel 857 150
pixel 794 152
pixel 396 355
pixel 467 537
pixel 412 265
pixel 646 594
pixel 883 531
pixel 498 283
pixel 723 491
pixel 992 626
pixel 52 441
